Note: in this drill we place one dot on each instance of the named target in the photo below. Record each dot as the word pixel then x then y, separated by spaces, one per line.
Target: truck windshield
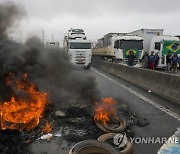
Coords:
pixel 80 45
pixel 130 44
pixel 78 33
pixel 78 30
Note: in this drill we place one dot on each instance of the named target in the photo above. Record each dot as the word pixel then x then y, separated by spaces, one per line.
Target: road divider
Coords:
pixel 160 83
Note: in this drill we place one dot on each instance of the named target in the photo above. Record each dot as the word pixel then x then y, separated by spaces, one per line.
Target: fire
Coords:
pixel 105 109
pixel 25 107
pixel 47 128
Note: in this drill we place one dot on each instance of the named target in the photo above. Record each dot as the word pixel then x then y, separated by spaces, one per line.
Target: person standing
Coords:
pixel 145 60
pixel 131 58
pixel 175 60
pixel 168 61
pixel 156 59
pixel 151 60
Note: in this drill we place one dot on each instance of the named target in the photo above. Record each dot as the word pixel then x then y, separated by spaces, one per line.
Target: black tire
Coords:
pixel 127 150
pixel 93 146
pixel 107 129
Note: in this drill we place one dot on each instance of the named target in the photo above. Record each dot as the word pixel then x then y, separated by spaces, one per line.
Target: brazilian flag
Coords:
pixel 126 52
pixel 171 46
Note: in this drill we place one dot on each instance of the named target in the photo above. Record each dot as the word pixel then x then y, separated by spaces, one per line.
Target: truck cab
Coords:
pixel 123 44
pixel 76 33
pixel 79 51
pixel 78 48
pixel 164 44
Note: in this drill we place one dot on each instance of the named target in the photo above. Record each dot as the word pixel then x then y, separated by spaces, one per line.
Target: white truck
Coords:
pixel 75 33
pixel 147 35
pixel 116 46
pixel 154 40
pixel 78 48
pixel 164 44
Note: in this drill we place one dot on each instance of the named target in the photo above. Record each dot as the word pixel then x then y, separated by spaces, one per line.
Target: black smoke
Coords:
pixel 10 15
pixel 49 69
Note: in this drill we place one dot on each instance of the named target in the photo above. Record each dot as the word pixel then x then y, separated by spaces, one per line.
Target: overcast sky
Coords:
pixel 97 17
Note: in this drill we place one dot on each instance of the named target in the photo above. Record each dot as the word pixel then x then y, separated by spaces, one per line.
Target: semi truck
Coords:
pixel 147 35
pixel 164 44
pixel 154 40
pixel 75 33
pixel 78 47
pixel 116 46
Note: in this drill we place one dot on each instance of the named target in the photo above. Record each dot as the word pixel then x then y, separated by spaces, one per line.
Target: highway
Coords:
pixel 163 116
pixel 159 118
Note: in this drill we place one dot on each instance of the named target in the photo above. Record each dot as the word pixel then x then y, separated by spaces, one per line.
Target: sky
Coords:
pixel 96 17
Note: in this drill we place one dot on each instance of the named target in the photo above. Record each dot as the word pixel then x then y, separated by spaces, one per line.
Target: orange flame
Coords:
pixel 105 109
pixel 47 128
pixel 22 112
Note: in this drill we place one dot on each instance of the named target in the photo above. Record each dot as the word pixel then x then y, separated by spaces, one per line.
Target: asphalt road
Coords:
pixel 163 115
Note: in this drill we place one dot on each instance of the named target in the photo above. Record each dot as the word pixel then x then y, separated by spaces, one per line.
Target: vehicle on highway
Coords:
pixel 116 47
pixel 164 44
pixel 78 47
pixel 75 33
pixel 154 40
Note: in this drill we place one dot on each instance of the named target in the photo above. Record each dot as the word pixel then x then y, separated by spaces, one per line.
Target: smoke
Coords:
pixel 49 69
pixel 10 15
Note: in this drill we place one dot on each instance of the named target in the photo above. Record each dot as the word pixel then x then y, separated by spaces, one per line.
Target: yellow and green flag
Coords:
pixel 127 51
pixel 171 46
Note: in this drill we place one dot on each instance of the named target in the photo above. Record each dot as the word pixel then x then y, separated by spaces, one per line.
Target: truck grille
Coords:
pixel 80 61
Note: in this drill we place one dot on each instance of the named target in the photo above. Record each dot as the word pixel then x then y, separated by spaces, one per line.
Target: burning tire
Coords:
pixel 109 129
pixel 106 116
pixel 93 146
pixel 126 149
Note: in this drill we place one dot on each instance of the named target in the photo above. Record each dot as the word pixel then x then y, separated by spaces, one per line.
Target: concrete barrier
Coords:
pixel 163 84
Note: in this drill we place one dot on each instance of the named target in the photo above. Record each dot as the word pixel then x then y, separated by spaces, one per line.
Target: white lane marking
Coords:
pixel 169 112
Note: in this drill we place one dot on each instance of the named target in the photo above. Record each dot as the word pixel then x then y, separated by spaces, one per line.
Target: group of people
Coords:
pixel 148 61
pixel 151 61
pixel 172 61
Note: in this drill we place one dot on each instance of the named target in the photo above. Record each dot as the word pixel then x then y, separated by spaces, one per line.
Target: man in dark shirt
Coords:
pixel 175 60
pixel 156 59
pixel 168 61
pixel 131 57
